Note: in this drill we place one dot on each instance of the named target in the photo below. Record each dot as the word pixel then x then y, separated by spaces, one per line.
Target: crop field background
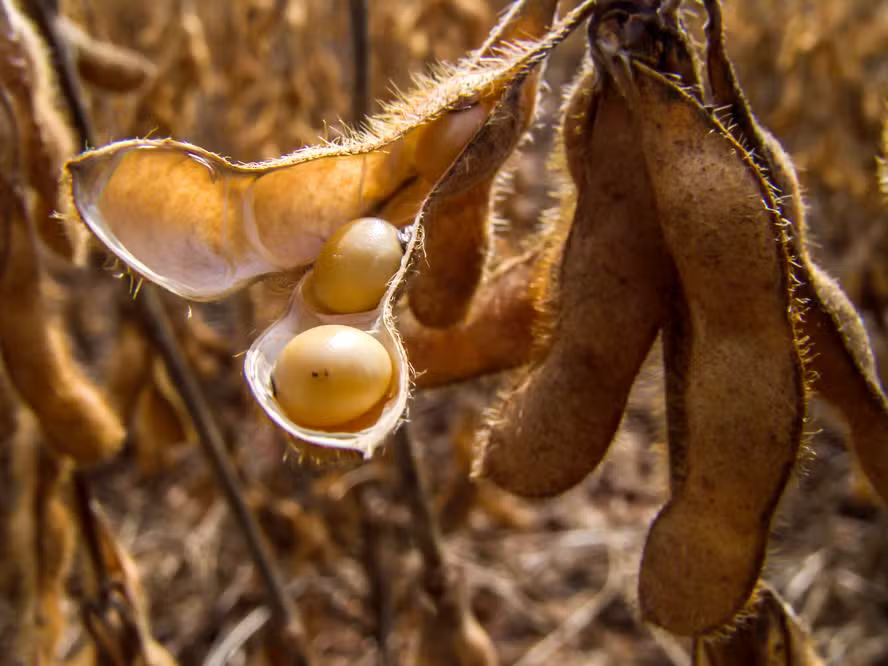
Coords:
pixel 551 581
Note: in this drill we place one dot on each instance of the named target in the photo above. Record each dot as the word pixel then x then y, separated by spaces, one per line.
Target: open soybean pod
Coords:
pixel 612 290
pixel 736 421
pixel 203 227
pixel 844 370
pixel 456 226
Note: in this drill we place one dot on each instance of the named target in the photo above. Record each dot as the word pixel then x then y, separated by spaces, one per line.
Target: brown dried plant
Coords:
pixel 38 528
pixel 204 227
pixel 76 418
pixel 744 314
pixel 681 217
pixel 59 418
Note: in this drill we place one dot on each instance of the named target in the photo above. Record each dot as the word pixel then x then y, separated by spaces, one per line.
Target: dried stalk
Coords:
pixel 357 13
pixel 373 551
pixel 160 331
pixel 425 525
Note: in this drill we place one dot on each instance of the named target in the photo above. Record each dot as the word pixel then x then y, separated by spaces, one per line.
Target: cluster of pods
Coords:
pixel 681 220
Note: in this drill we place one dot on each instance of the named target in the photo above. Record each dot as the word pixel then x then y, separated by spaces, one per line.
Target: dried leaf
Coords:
pixel 119 620
pixel 449 633
pixel 769 636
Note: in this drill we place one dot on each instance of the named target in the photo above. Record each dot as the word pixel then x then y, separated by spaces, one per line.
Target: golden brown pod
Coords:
pixel 34 131
pixel 496 334
pixel 74 415
pixel 102 64
pixel 203 227
pixel 736 394
pixel 456 223
pixel 612 291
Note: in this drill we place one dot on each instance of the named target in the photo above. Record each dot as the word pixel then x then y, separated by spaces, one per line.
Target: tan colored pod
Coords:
pixel 102 64
pixel 736 424
pixel 841 359
pixel 845 372
pixel 34 129
pixel 202 226
pixel 456 222
pixel 497 333
pixel 74 415
pixel 613 288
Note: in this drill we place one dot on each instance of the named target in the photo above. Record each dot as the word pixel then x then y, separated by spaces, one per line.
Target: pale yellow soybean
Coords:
pixel 330 375
pixel 356 265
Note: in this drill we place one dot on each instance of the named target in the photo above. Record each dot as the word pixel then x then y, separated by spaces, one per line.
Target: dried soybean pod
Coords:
pixel 497 333
pixel 203 227
pixel 612 293
pixel 456 221
pixel 104 65
pixel 769 636
pixel 737 427
pixel 75 417
pixel 39 130
pixel 18 576
pixel 38 539
pixel 844 371
pixel 764 150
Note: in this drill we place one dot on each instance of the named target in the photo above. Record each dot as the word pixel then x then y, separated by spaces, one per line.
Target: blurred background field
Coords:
pixel 552 582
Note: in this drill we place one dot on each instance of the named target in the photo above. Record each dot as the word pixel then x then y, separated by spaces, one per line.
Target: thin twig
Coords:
pixel 234 640
pixel 357 13
pixel 89 532
pixel 373 556
pixel 425 526
pixel 160 331
pixel 83 506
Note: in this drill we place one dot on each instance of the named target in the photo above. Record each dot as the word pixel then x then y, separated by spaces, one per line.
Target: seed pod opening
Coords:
pixel 354 406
